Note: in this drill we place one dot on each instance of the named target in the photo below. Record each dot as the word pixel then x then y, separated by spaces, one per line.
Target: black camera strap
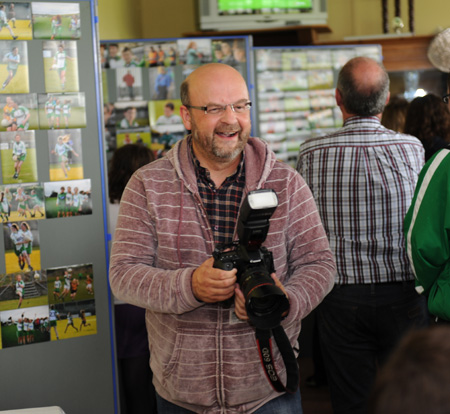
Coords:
pixel 263 338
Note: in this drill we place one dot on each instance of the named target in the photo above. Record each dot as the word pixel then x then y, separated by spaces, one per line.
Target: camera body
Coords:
pixel 265 303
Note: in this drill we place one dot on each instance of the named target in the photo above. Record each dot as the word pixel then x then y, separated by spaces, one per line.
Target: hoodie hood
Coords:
pixel 259 161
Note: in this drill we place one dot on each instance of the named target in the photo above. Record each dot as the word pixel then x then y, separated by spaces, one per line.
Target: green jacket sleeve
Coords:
pixel 427 233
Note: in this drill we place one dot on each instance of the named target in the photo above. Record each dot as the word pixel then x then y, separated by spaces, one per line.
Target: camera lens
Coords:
pixel 265 302
pixel 261 306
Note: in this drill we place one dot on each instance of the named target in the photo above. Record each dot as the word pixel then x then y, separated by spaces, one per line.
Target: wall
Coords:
pixel 117 20
pixel 171 18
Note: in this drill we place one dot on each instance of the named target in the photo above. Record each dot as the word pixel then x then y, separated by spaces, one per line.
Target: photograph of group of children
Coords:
pixel 296 95
pixel 46 305
pixel 141 86
pixel 39 305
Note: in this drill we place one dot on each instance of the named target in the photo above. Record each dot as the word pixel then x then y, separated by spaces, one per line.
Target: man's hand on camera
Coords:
pixel 280 285
pixel 239 300
pixel 239 304
pixel 212 285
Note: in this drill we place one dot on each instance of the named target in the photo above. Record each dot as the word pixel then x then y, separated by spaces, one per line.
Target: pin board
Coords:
pixel 56 345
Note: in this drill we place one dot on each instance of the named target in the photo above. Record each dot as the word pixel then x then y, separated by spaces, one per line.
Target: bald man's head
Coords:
pixel 363 85
pixel 213 72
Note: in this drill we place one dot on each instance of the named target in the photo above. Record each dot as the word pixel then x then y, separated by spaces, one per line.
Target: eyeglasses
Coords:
pixel 238 107
pixel 446 98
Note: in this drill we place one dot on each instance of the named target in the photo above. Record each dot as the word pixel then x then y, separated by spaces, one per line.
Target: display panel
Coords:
pixel 54 298
pixel 295 93
pixel 141 85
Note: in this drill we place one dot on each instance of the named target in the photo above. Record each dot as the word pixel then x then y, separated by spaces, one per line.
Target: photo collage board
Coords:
pixel 37 304
pixel 141 85
pixel 295 93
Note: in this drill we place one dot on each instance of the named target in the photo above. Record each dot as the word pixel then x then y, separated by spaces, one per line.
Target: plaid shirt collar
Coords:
pixel 203 174
pixel 221 204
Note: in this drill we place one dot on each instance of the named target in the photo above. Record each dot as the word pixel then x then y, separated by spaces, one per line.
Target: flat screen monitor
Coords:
pixel 260 14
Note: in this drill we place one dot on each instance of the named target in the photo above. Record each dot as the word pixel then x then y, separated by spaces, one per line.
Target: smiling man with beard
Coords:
pixel 173 214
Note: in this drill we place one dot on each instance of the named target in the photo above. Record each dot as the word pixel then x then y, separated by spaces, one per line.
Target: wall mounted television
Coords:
pixel 260 14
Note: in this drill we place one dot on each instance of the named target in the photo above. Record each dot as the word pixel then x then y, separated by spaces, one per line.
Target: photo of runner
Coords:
pixel 66 160
pixel 18 156
pixel 60 66
pixel 14 67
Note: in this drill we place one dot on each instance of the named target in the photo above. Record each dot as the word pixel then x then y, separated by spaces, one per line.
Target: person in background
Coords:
pixel 428 118
pixel 128 58
pixel 394 114
pixel 363 177
pixel 173 213
pixel 137 394
pixel 114 59
pixel 416 378
pixel 129 118
pixel 169 117
pixel 192 55
pixel 427 232
pixel 152 57
pixel 162 83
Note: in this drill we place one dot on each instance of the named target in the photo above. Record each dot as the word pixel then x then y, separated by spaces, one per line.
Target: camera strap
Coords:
pixel 263 339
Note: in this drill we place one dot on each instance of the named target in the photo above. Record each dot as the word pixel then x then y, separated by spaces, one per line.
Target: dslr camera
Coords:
pixel 264 301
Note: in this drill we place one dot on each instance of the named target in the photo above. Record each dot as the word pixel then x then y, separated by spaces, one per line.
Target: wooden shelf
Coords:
pixel 399 53
pixel 280 36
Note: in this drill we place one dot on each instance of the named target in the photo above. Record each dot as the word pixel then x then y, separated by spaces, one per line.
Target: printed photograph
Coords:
pixel 293 59
pixel 18 155
pixel 62 111
pixel 124 138
pixel 25 326
pixel 72 320
pixel 60 66
pixel 167 127
pixel 162 83
pixel 68 198
pixel 194 51
pixel 123 55
pixel 70 283
pixel 66 160
pixel 18 18
pixel 131 116
pixel 22 202
pixel 56 21
pixel 229 51
pixel 22 247
pixel 14 67
pixel 162 54
pixel 20 112
pixel 129 84
pixel 23 290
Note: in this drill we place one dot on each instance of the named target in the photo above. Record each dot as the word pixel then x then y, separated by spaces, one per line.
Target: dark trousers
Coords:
pixel 359 325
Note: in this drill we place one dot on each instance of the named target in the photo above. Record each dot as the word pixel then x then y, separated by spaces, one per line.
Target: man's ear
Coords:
pixel 338 97
pixel 186 117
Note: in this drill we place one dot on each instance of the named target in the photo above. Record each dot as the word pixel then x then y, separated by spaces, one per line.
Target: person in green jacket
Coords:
pixel 427 231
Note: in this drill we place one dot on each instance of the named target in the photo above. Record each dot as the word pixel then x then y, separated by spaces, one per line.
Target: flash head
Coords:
pixel 256 210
